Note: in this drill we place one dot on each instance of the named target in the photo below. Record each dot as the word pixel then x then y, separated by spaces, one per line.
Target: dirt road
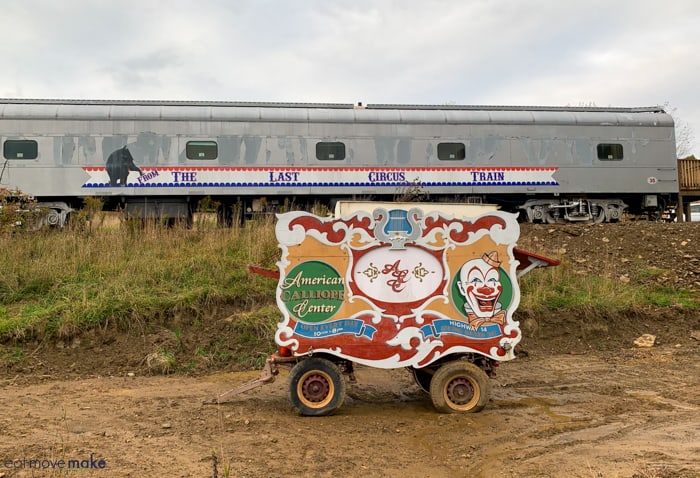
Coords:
pixel 608 409
pixel 631 413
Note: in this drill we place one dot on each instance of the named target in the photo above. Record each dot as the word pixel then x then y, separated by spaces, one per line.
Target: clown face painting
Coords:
pixel 480 284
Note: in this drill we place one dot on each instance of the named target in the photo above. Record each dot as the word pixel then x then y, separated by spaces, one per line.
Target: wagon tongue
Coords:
pixel 267 375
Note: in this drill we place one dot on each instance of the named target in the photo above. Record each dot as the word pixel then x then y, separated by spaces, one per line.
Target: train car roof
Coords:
pixel 150 110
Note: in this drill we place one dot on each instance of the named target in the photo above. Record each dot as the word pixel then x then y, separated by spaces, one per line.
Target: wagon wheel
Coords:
pixel 423 377
pixel 316 387
pixel 460 386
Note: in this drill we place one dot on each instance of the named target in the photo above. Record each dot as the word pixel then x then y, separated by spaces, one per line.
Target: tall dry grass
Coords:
pixel 58 283
pixel 560 287
pixel 61 283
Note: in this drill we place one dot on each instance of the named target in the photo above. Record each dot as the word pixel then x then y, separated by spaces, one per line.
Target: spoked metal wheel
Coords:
pixel 316 387
pixel 460 387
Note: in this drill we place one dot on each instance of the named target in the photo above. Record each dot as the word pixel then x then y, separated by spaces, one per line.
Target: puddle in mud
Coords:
pixel 542 405
pixel 656 398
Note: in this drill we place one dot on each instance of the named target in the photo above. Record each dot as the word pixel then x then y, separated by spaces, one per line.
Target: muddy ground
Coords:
pixel 577 402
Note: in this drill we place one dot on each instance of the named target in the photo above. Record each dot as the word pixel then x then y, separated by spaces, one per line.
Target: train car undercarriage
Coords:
pixel 573 210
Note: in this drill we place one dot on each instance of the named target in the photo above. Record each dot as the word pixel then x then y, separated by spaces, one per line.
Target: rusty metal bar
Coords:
pixel 267 375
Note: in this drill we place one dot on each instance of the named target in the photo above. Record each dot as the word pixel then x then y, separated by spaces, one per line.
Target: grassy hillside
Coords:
pixel 58 285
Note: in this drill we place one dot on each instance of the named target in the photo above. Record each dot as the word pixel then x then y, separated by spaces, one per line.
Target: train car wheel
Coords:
pixel 316 387
pixel 600 217
pixel 460 387
pixel 551 216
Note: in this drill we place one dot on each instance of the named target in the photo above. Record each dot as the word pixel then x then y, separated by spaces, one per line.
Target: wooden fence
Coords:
pixel 688 184
pixel 689 175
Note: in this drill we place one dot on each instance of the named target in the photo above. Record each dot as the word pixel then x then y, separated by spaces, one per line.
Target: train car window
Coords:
pixel 20 149
pixel 451 151
pixel 202 150
pixel 329 151
pixel 610 152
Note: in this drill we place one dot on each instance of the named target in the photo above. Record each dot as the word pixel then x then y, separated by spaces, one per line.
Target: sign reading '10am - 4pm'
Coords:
pixel 396 288
pixel 164 176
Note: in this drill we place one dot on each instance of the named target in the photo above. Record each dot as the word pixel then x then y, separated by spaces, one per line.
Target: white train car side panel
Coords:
pixel 598 159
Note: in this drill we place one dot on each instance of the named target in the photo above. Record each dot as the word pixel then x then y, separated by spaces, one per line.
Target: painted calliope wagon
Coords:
pixel 394 288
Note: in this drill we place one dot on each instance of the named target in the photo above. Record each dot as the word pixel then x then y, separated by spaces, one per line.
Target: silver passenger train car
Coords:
pixel 157 158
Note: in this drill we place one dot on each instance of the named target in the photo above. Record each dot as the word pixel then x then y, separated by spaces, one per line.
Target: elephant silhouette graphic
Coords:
pixel 119 163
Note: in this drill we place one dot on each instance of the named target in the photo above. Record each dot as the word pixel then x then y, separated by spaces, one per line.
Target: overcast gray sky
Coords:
pixel 508 52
